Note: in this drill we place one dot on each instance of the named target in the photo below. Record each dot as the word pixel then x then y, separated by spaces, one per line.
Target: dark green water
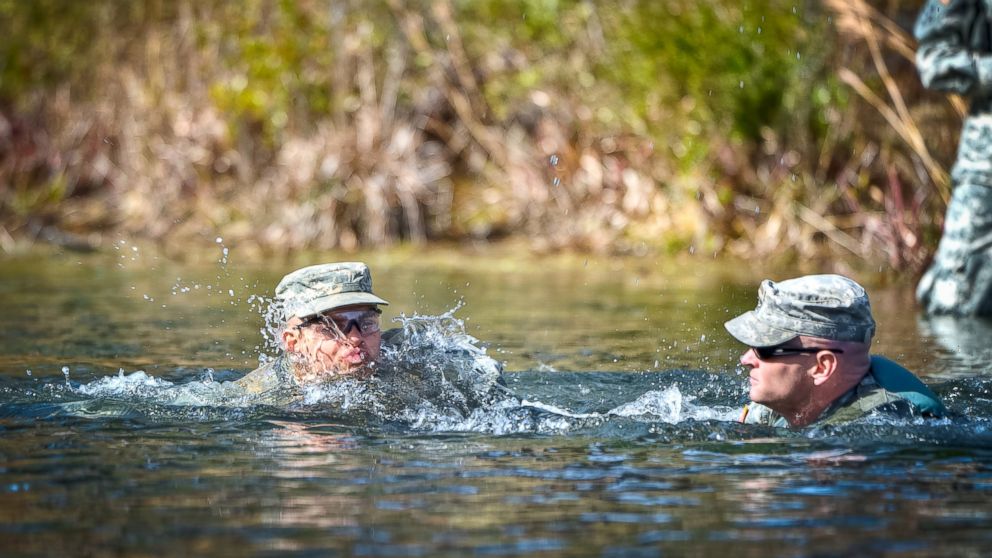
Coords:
pixel 673 476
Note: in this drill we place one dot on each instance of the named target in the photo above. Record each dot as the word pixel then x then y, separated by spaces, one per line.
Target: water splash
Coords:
pixel 273 318
pixel 430 369
pixel 225 252
pixel 137 384
pixel 433 377
pixel 671 406
pixel 659 407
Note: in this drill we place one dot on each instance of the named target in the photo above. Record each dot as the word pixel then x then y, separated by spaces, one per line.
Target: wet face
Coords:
pixel 781 382
pixel 342 342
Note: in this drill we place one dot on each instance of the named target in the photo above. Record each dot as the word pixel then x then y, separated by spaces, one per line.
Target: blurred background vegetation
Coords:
pixel 757 129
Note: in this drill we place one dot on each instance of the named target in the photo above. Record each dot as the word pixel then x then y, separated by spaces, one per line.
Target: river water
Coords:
pixel 621 441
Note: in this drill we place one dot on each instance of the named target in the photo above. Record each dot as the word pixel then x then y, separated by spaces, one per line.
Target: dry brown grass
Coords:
pixel 411 150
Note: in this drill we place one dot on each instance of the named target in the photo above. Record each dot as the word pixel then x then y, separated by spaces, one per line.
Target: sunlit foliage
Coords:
pixel 634 125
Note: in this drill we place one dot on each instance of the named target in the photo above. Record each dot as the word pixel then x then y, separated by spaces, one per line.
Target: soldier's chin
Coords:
pixel 316 375
pixel 359 370
pixel 363 372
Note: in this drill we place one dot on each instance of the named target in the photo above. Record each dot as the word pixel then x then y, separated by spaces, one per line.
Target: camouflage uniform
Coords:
pixel 870 396
pixel 830 307
pixel 270 384
pixel 955 55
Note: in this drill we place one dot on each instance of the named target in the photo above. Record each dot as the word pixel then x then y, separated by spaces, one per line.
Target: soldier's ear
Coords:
pixel 290 337
pixel 826 367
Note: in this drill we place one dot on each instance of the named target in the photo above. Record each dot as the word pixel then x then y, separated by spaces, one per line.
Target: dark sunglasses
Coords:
pixel 766 353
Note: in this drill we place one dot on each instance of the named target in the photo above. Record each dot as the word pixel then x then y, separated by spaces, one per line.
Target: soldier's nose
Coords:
pixel 748 358
pixel 354 335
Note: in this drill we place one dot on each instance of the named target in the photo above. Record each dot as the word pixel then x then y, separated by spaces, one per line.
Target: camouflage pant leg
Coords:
pixel 959 281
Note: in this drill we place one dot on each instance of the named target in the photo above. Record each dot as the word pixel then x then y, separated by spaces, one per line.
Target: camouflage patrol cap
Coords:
pixel 823 306
pixel 319 288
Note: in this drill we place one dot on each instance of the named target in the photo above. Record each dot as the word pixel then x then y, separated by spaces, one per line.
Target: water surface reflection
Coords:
pixel 670 474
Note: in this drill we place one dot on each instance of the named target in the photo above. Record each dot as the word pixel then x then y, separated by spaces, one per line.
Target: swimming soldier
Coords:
pixel 331 331
pixel 808 353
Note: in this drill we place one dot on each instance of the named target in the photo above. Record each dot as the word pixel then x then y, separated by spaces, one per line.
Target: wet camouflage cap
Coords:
pixel 319 288
pixel 824 306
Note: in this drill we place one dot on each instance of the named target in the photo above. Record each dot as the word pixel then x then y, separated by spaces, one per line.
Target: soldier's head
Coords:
pixel 331 320
pixel 808 341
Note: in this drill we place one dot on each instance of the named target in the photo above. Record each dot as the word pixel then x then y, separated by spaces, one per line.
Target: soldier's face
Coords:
pixel 781 383
pixel 345 341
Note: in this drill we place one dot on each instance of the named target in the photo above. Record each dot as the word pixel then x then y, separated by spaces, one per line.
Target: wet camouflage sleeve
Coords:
pixel 757 413
pixel 955 54
pixel 270 384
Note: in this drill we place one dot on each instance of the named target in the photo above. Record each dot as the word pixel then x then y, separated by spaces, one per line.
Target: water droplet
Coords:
pixel 219 240
pixel 28 371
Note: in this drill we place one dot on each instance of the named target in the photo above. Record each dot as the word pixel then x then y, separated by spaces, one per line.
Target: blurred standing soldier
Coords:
pixel 955 55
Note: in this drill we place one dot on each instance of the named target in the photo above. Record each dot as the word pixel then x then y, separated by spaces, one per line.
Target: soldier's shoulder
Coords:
pixel 264 378
pixel 869 398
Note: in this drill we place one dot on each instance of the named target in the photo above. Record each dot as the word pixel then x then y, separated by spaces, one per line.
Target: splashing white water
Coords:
pixel 669 405
pixel 430 370
pixel 138 383
pixel 432 376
